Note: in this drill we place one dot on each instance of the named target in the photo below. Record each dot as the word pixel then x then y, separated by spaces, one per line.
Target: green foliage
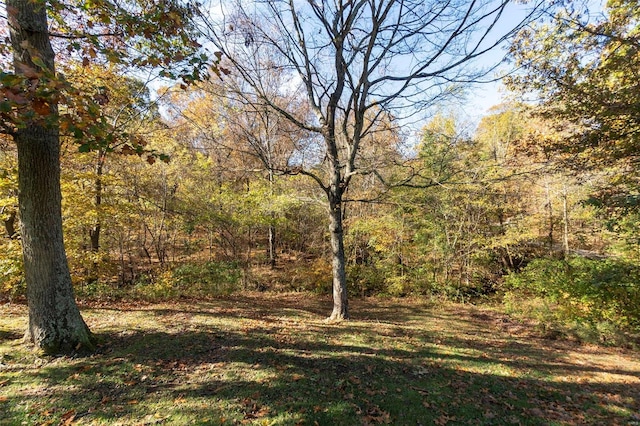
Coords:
pixel 365 280
pixel 595 292
pixel 200 280
pixel 583 67
pixel 207 279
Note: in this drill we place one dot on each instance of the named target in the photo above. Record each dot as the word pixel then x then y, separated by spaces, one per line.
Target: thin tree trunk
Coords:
pixel 272 227
pixel 565 222
pixel 10 225
pixel 272 245
pixel 55 323
pixel 550 212
pixel 94 232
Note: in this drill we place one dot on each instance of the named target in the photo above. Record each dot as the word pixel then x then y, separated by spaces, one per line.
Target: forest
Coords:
pixel 258 167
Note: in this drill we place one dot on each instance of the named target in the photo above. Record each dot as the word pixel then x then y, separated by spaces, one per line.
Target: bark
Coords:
pixel 94 237
pixel 272 227
pixel 272 246
pixel 340 302
pixel 94 232
pixel 10 225
pixel 565 223
pixel 55 323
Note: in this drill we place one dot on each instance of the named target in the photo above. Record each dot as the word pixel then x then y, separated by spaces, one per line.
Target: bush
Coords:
pixel 207 279
pixel 365 280
pixel 313 275
pixel 597 293
pixel 189 280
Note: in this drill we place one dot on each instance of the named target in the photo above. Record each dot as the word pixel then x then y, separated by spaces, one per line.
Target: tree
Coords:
pixel 29 112
pixel 583 68
pixel 356 62
pixel 226 119
pixel 130 117
pixel 55 323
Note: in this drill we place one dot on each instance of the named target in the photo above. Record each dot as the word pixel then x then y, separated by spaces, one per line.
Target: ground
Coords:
pixel 270 359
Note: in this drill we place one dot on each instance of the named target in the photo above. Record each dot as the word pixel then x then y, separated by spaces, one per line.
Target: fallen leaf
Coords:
pixel 68 417
pixel 41 107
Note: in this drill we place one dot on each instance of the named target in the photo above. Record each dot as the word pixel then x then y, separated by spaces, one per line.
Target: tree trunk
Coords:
pixel 272 245
pixel 94 232
pixel 272 226
pixel 565 223
pixel 94 237
pixel 340 302
pixel 55 323
pixel 10 225
pixel 550 212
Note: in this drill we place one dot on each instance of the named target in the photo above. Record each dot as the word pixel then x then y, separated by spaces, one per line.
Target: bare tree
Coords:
pixel 356 62
pixel 259 131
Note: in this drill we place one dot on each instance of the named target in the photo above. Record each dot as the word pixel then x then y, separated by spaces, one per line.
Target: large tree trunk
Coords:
pixel 340 302
pixel 55 323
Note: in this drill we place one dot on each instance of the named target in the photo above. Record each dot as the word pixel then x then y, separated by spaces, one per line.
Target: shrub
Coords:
pixel 189 280
pixel 365 280
pixel 206 279
pixel 312 275
pixel 599 293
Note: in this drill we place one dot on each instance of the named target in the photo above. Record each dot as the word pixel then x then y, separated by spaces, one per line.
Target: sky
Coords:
pixel 483 96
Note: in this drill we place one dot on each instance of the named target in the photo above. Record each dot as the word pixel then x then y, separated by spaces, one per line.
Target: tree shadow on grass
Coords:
pixel 262 305
pixel 227 377
pixel 468 330
pixel 6 336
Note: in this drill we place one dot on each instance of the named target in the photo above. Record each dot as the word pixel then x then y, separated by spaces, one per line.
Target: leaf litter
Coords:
pixel 258 358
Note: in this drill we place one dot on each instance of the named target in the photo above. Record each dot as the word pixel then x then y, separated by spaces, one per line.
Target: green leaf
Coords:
pixel 40 63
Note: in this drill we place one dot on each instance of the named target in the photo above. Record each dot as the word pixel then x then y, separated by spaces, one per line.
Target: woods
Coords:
pixel 294 212
pixel 198 150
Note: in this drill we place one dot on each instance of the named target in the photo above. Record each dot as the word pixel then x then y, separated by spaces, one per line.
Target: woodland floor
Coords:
pixel 270 359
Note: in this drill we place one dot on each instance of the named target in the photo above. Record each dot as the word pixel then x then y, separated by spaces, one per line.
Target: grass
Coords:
pixel 267 359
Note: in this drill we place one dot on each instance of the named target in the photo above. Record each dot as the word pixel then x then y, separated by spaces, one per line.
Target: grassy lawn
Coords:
pixel 267 359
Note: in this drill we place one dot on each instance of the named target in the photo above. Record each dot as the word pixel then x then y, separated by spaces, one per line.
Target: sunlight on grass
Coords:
pixel 270 360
